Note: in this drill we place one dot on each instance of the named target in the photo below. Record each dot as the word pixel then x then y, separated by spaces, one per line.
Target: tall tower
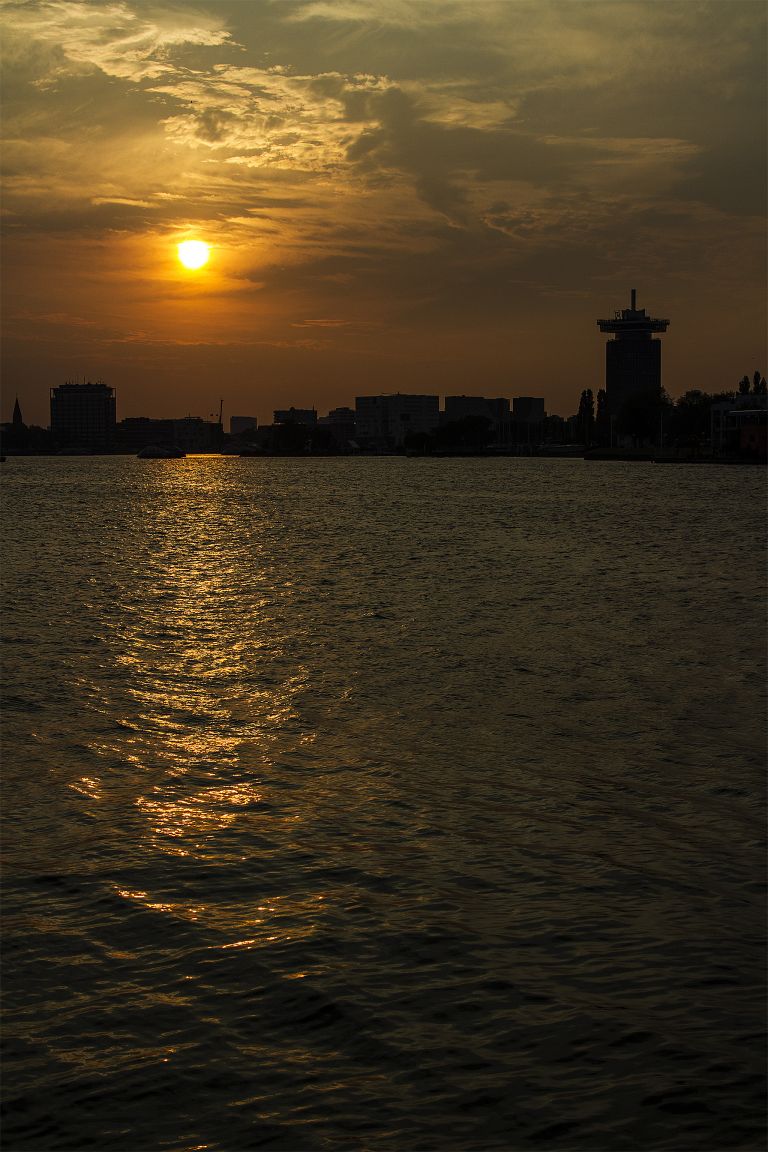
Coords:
pixel 633 357
pixel 17 418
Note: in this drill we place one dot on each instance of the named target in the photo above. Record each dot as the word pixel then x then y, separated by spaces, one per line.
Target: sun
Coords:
pixel 193 253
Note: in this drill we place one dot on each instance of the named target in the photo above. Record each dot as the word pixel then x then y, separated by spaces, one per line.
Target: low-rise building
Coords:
pixel 740 426
pixel 137 432
pixel 240 424
pixel 193 434
pixel 338 416
pixel 295 416
pixel 341 427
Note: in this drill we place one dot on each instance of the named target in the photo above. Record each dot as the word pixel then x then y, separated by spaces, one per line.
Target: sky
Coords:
pixel 435 196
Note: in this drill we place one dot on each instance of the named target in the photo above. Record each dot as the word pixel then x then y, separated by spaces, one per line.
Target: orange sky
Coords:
pixel 416 197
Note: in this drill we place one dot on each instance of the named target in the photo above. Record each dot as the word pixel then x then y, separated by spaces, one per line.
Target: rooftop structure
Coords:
pixel 633 322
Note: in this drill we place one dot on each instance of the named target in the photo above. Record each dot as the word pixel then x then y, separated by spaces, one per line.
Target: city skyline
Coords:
pixel 420 198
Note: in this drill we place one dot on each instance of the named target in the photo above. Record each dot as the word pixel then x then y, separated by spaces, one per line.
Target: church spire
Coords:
pixel 17 420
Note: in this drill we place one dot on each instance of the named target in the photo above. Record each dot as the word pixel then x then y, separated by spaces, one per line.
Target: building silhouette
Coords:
pixel 240 424
pixel 633 356
pixel 193 434
pixel 83 417
pixel 341 427
pixel 528 409
pixel 385 421
pixel 18 421
pixel 495 409
pixel 295 416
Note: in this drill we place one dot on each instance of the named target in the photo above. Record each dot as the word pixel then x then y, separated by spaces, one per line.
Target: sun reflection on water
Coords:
pixel 209 699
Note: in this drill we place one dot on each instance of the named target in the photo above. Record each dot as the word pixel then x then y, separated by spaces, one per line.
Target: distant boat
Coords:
pixel 160 452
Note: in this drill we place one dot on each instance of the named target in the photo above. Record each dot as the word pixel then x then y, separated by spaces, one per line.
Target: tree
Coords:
pixel 290 438
pixel 643 415
pixel 759 386
pixel 586 415
pixel 602 418
pixel 744 386
pixel 470 433
pixel 690 418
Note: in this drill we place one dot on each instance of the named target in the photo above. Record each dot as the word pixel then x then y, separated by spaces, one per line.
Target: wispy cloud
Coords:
pixel 123 40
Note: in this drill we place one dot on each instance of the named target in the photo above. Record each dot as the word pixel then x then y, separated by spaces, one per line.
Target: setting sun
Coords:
pixel 193 253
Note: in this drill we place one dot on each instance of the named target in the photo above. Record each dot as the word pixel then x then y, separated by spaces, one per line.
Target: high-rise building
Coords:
pixel 83 417
pixel 633 357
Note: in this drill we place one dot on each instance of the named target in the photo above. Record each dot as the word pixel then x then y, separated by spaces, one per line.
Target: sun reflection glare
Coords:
pixel 211 711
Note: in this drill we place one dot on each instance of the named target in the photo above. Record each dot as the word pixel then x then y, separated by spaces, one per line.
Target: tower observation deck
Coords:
pixel 633 356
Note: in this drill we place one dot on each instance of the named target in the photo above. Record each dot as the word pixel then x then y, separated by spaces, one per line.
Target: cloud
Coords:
pixel 121 40
pixel 321 324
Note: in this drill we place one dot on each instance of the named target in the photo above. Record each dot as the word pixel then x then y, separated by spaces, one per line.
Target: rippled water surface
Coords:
pixel 383 804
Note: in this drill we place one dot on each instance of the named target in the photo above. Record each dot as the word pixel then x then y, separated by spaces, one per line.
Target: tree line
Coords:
pixel 652 415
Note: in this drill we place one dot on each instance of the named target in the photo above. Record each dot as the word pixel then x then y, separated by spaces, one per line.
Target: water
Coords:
pixel 383 804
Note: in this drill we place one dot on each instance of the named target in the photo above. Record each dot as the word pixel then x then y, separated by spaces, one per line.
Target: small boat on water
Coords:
pixel 160 452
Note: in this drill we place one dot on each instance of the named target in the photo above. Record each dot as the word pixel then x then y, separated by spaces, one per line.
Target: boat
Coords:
pixel 160 452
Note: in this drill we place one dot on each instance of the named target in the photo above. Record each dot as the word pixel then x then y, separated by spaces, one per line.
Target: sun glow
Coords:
pixel 193 253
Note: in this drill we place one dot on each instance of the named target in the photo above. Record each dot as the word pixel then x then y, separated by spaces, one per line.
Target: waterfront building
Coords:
pixel 137 432
pixel 740 426
pixel 83 417
pixel 385 421
pixel 633 356
pixel 458 407
pixel 193 434
pixel 295 416
pixel 528 409
pixel 339 416
pixel 340 426
pixel 495 409
pixel 240 424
